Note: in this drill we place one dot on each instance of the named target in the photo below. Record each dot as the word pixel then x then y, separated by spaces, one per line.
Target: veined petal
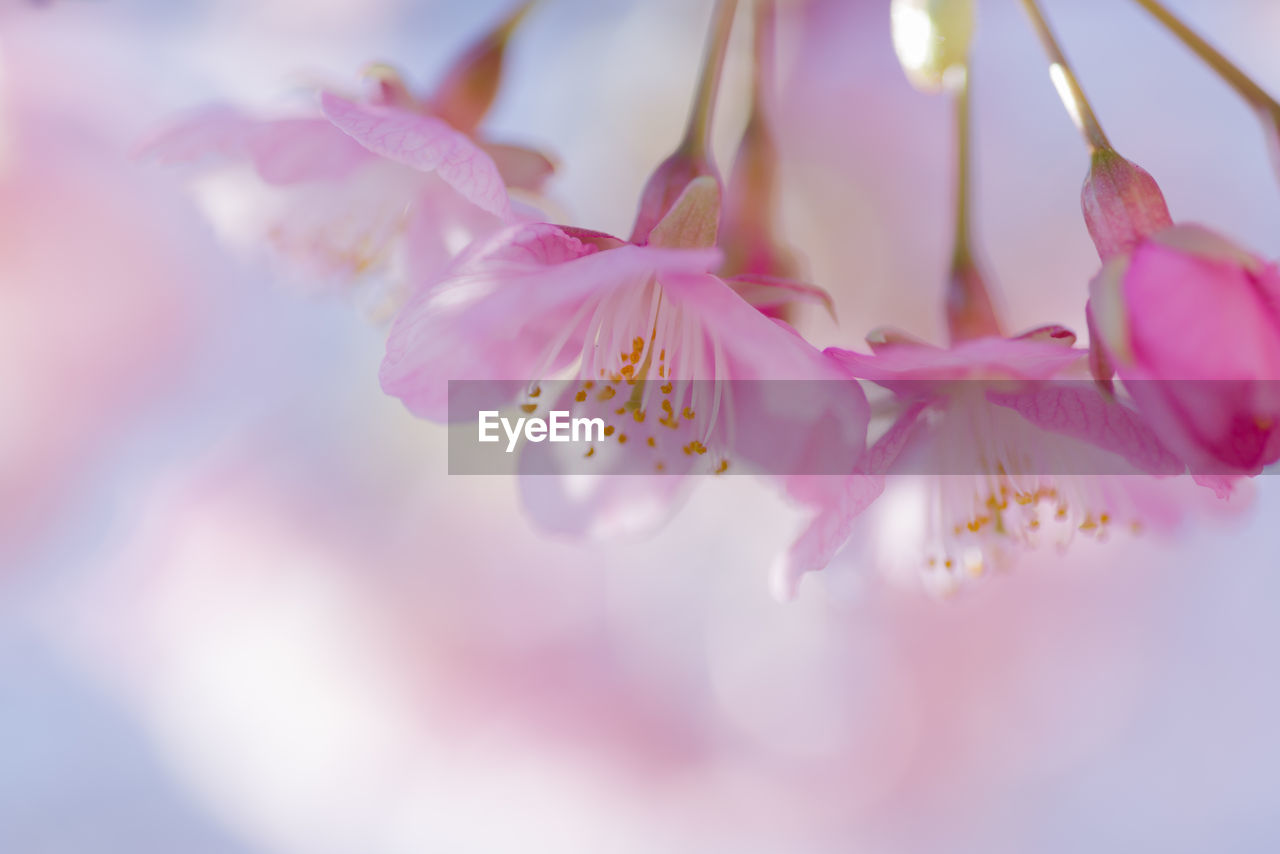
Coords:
pixel 977 358
pixel 826 533
pixel 840 500
pixel 283 151
pixel 425 143
pixel 1082 412
pixel 795 412
pixel 509 308
pixel 759 347
pixel 1186 305
pixel 288 151
pixel 770 293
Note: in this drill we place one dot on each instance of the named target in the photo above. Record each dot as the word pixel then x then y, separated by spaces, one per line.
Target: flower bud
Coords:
pixel 468 89
pixel 750 245
pixel 1191 323
pixel 1122 204
pixel 389 89
pixel 931 37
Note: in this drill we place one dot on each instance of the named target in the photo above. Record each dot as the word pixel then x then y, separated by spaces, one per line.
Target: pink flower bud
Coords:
pixel 1122 204
pixel 468 89
pixel 1191 323
pixel 931 38
pixel 748 240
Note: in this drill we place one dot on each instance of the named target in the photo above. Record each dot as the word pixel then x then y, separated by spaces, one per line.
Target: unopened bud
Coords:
pixel 1122 204
pixel 469 88
pixel 389 87
pixel 750 246
pixel 930 38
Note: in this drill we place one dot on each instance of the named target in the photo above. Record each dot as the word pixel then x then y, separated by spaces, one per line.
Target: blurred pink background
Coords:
pixel 244 609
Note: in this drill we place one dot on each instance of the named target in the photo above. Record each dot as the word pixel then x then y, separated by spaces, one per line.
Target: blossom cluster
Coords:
pixel 994 442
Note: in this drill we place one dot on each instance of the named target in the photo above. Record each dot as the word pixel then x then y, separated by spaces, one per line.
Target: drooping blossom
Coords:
pixel 388 182
pixel 1188 320
pixel 678 365
pixel 996 445
pixel 646 338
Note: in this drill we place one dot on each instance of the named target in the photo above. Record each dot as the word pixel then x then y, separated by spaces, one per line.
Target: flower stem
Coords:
pixel 1226 69
pixel 970 313
pixel 764 46
pixel 1064 80
pixel 963 252
pixel 698 133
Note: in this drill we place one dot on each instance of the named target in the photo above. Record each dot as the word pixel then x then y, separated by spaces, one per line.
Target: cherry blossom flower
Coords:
pixel 998 445
pixel 648 339
pixel 672 359
pixel 376 183
pixel 995 444
pixel 1189 320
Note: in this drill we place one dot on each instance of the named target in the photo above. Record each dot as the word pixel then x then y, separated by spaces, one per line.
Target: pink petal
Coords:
pixel 882 455
pixel 289 151
pixel 840 502
pixel 771 293
pixel 1052 333
pixel 1198 317
pixel 759 347
pixel 441 226
pixel 825 535
pixel 425 143
pixel 504 304
pixel 1205 341
pixel 982 357
pixel 1082 412
pixel 800 414
pixel 284 151
pixel 215 133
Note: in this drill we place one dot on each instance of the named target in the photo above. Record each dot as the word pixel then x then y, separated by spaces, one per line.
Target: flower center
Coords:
pixel 649 370
pixel 1005 486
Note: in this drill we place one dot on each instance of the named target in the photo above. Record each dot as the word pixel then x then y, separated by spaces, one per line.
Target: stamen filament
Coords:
pixel 1225 68
pixel 698 133
pixel 1064 80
